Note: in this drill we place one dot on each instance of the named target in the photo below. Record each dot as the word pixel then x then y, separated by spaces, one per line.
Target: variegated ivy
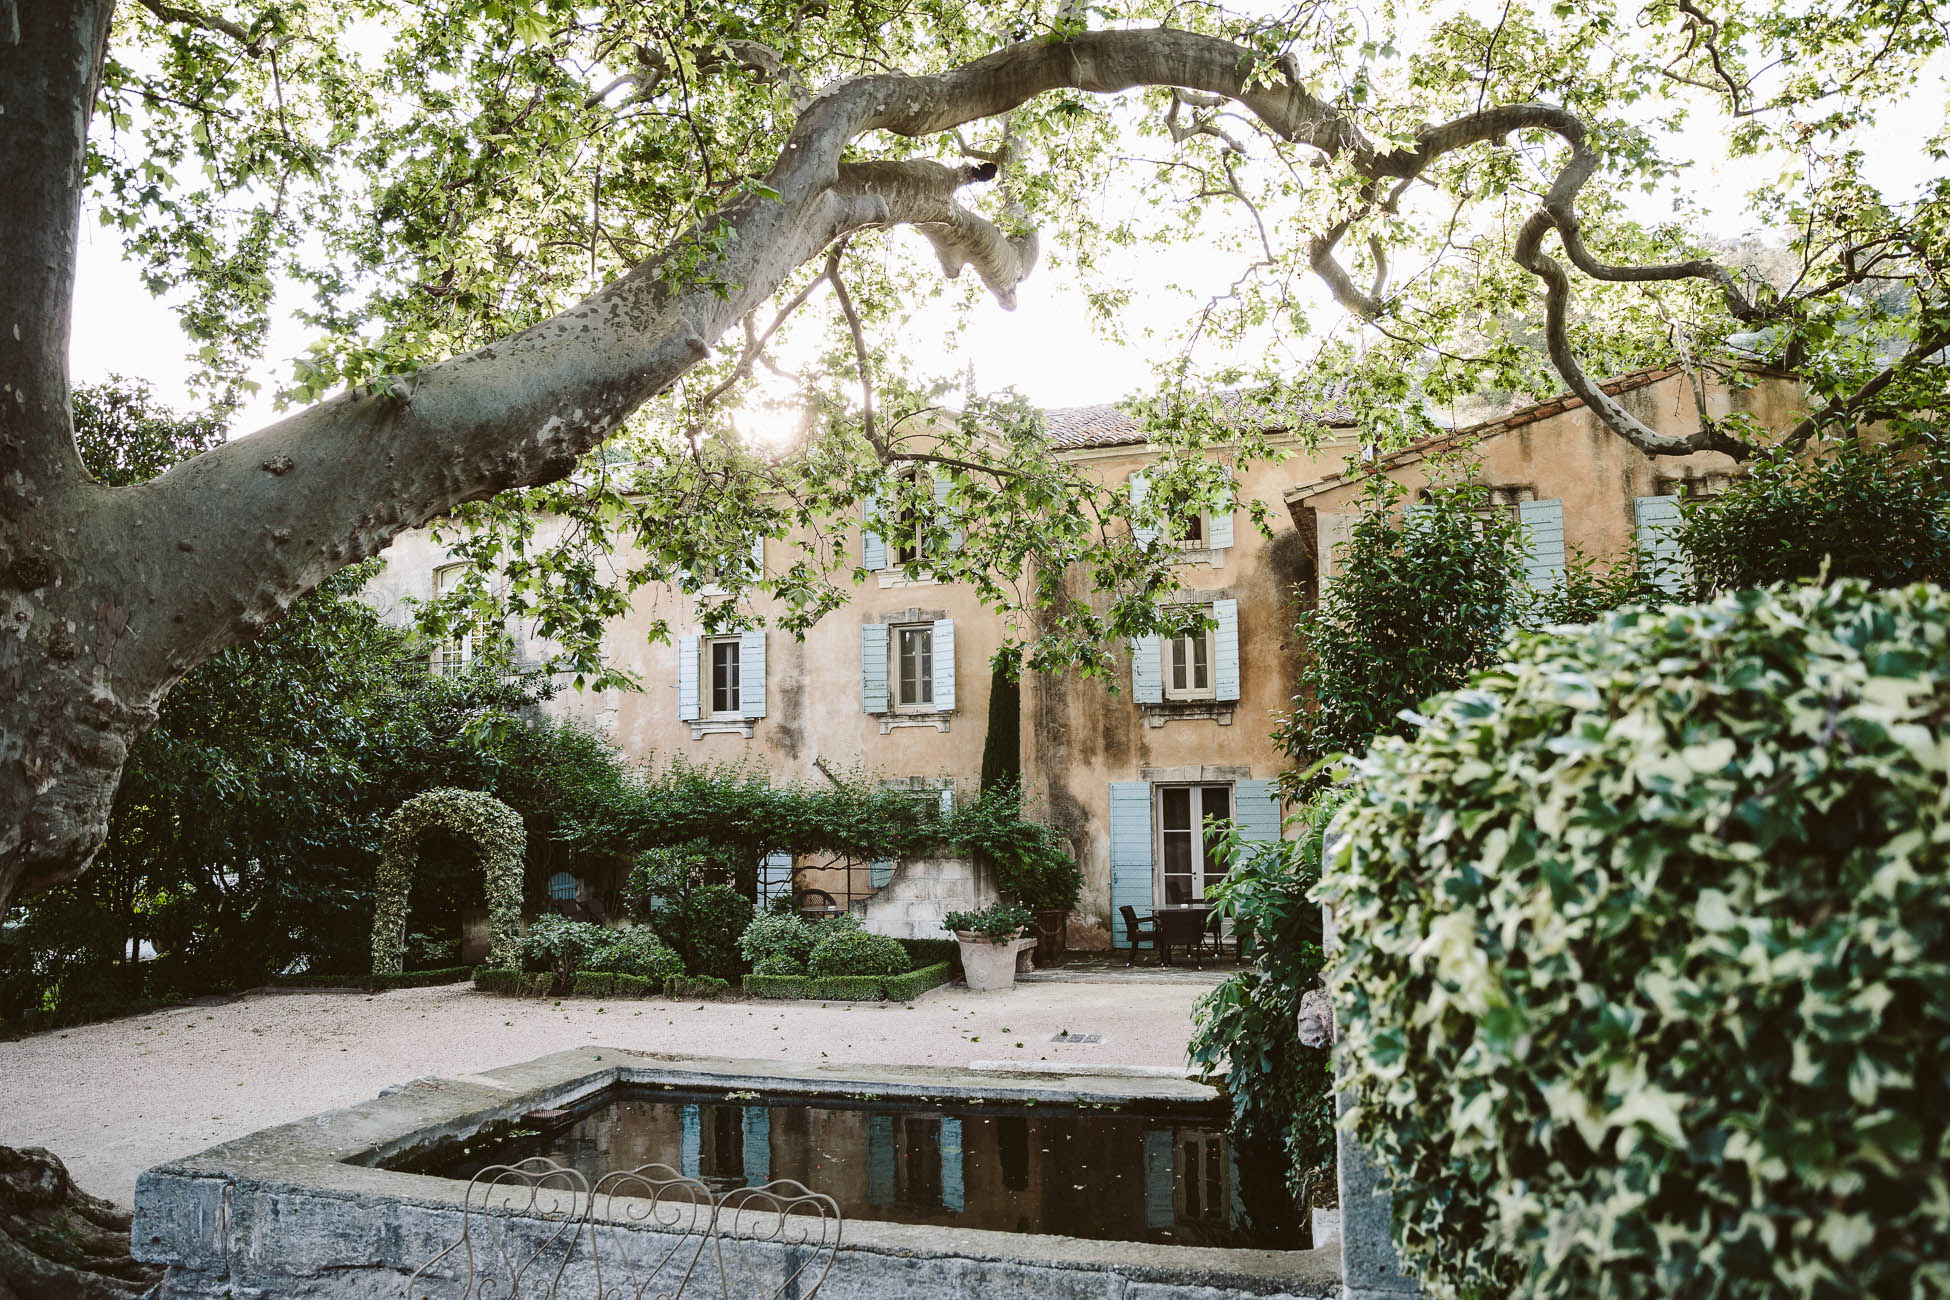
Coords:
pixel 1646 984
pixel 494 829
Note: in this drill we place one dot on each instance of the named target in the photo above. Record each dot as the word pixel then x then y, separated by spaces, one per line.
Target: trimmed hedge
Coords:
pixel 686 987
pixel 856 952
pixel 614 984
pixel 516 983
pixel 850 988
pixel 905 988
pixel 375 983
pixel 1646 982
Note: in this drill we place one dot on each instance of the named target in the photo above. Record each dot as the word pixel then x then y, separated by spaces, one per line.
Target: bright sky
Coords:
pixel 1046 349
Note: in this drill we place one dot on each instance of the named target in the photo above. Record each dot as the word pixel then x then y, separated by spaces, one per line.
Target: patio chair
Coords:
pixel 1242 930
pixel 1140 929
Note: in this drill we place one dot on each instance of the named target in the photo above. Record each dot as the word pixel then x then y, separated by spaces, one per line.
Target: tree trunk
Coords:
pixel 59 1243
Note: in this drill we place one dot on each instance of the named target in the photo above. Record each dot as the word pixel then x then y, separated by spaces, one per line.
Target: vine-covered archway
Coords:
pixel 491 826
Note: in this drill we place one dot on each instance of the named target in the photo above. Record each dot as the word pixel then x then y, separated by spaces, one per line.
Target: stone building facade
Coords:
pixel 898 682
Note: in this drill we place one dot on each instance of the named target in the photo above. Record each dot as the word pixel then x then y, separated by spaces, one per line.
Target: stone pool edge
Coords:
pixel 287 1212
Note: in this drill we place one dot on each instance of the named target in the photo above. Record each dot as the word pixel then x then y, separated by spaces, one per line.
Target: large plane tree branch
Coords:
pixel 110 596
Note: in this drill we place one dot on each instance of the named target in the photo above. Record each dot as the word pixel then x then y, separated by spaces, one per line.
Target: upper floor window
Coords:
pixel 457 651
pixel 914 667
pixel 725 699
pixel 1188 665
pixel 908 533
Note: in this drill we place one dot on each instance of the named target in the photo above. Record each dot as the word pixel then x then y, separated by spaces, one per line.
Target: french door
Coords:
pixel 1188 856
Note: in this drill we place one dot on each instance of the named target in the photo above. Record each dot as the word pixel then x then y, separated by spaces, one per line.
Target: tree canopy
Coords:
pixel 547 247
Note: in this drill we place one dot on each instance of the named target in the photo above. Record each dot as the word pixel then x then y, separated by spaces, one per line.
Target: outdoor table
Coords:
pixel 1182 923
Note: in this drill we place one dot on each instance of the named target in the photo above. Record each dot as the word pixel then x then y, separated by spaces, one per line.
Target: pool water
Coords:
pixel 1164 1174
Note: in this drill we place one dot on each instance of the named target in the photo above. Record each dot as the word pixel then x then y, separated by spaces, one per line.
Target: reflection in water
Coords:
pixel 1163 1176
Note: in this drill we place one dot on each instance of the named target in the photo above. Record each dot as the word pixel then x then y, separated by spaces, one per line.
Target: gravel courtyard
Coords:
pixel 115 1098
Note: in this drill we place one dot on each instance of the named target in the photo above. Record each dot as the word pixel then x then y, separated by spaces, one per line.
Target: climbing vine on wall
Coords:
pixel 491 826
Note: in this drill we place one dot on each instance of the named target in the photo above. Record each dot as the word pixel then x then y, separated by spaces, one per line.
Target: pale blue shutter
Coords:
pixel 690 1142
pixel 1225 650
pixel 944 664
pixel 873 668
pixel 1158 1211
pixel 1543 561
pixel 1221 531
pixel 873 547
pixel 751 674
pixel 758 555
pixel 1147 669
pixel 687 653
pixel 1130 854
pixel 1140 489
pixel 880 872
pixel 1657 520
pixel 880 1160
pixel 1417 516
pixel 941 486
pixel 947 801
pixel 953 1196
pixel 1256 810
pixel 758 1146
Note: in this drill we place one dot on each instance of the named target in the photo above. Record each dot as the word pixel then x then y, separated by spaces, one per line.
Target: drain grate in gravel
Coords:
pixel 1067 1037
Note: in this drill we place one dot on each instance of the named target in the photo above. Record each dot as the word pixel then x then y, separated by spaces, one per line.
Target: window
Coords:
pixel 1189 530
pixel 1188 848
pixel 910 530
pixel 914 667
pixel 453 654
pixel 1188 665
pixel 724 676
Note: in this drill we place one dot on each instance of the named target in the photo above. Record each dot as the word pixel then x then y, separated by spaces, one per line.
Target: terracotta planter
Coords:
pixel 988 964
pixel 1051 926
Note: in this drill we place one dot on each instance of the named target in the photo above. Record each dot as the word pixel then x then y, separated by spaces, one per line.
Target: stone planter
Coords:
pixel 1052 924
pixel 988 964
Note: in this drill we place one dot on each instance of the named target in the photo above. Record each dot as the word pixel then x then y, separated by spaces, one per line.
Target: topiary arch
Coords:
pixel 492 826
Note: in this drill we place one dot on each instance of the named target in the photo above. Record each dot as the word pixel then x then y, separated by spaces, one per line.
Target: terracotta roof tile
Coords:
pixel 1110 425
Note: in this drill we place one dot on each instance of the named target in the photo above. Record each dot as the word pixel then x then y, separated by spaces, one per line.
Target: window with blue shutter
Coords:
pixel 1543 562
pixel 873 668
pixel 1147 669
pixel 1256 810
pixel 1657 520
pixel 944 665
pixel 873 547
pixel 1222 511
pixel 751 674
pixel 1225 650
pixel 1130 854
pixel 1140 488
pixel 687 656
pixel 945 514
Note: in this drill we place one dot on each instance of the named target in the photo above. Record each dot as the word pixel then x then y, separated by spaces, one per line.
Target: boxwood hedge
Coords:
pixel 1646 980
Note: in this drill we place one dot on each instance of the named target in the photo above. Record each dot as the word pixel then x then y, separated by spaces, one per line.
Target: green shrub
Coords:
pixel 416 979
pixel 1646 986
pixel 855 952
pixel 818 988
pixel 686 987
pixel 905 988
pixel 777 935
pixel 778 964
pixel 997 921
pixel 559 946
pixel 1030 860
pixel 930 952
pixel 592 984
pixel 430 952
pixel 635 950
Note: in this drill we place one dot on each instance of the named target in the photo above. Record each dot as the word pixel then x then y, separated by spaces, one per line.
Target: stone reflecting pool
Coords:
pixel 1157 1173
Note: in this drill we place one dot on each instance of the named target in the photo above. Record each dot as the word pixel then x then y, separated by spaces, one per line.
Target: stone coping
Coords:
pixel 336 1155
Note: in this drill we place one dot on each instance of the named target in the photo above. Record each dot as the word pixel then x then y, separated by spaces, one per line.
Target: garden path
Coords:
pixel 115 1098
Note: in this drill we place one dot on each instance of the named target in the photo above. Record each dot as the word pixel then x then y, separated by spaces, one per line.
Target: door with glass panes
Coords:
pixel 1191 821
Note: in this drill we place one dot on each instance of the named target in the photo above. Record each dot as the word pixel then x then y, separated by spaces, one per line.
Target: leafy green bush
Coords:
pixel 1031 861
pixel 513 982
pixel 635 950
pixel 995 922
pixel 1243 1037
pixel 778 964
pixel 905 988
pixel 1646 986
pixel 1879 513
pixel 855 952
pixel 415 979
pixel 1423 599
pixel 559 946
pixel 430 951
pixel 775 935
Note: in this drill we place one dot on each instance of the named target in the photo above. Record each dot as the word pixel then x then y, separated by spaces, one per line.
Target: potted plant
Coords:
pixel 989 941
